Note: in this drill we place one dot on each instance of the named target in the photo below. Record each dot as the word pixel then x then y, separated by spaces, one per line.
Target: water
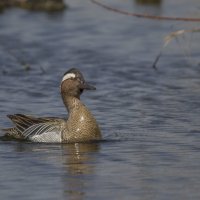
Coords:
pixel 149 119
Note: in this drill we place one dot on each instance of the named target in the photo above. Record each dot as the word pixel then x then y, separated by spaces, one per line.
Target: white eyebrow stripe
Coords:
pixel 68 76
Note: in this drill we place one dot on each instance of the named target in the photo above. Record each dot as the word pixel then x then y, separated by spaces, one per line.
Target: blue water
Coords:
pixel 149 118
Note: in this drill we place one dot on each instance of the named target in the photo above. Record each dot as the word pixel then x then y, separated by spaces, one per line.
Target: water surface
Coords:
pixel 149 119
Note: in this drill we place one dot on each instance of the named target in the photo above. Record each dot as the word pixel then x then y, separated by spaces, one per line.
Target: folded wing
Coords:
pixel 45 129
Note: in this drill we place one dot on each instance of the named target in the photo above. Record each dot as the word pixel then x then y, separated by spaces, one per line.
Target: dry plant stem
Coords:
pixel 169 38
pixel 147 16
pixel 157 59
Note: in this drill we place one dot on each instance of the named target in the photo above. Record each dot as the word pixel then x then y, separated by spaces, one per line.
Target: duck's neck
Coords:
pixel 71 102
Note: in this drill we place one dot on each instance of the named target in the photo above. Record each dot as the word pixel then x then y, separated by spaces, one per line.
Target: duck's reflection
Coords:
pixel 78 157
pixel 76 163
pixel 79 160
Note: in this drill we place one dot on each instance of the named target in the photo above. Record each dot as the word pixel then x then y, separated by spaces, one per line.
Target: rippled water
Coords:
pixel 149 119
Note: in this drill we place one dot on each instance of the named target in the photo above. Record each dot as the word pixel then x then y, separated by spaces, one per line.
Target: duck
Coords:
pixel 79 126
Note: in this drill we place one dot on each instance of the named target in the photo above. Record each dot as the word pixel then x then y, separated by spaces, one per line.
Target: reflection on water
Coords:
pixel 37 5
pixel 149 2
pixel 77 156
pixel 77 161
pixel 153 7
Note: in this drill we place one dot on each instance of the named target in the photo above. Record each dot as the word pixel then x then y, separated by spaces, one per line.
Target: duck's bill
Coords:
pixel 87 86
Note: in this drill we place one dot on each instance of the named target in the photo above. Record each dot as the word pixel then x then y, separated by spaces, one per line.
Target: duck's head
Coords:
pixel 73 83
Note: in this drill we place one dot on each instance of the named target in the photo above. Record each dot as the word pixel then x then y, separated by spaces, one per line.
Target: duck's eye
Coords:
pixel 81 91
pixel 79 79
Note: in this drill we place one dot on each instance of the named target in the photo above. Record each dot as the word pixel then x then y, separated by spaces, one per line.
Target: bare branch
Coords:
pixel 147 16
pixel 169 38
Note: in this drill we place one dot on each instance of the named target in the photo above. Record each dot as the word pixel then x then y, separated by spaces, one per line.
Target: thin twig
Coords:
pixel 147 16
pixel 169 38
pixel 157 59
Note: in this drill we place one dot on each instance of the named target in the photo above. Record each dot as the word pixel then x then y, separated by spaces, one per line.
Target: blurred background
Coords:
pixel 149 118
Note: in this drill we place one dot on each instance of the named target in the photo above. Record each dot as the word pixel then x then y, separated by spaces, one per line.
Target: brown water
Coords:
pixel 149 119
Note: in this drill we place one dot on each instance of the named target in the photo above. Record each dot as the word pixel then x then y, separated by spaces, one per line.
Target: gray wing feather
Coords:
pixel 39 129
pixel 35 129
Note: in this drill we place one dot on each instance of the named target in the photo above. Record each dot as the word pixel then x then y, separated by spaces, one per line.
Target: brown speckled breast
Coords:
pixel 81 125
